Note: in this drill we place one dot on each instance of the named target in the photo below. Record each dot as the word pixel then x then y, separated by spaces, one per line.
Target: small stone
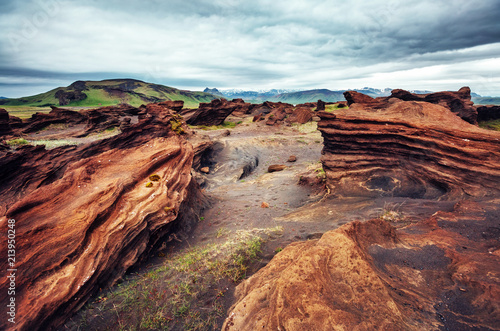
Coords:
pixel 276 167
pixel 292 158
pixel 316 118
pixel 264 205
pixel 205 170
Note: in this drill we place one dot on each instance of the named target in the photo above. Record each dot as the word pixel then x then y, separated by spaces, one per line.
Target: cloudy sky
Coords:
pixel 260 44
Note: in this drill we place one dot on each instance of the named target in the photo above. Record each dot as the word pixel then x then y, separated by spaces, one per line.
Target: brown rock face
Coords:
pixel 83 215
pixel 276 167
pixel 410 149
pixel 458 102
pixel 5 128
pixel 437 274
pixel 67 97
pixel 320 105
pixel 356 97
pixel 488 113
pixel 39 121
pixel 174 105
pixel 213 113
pixel 301 116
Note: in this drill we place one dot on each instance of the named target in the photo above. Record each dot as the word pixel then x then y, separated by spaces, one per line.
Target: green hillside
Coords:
pixel 109 92
pixel 309 96
pixel 486 100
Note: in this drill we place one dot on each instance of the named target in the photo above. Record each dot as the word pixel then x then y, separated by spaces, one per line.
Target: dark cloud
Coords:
pixel 254 44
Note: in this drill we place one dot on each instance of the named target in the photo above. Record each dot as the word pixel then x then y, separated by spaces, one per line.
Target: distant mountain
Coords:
pixel 253 96
pixel 298 96
pixel 309 96
pixel 213 91
pixel 110 92
pixel 3 98
pixel 486 100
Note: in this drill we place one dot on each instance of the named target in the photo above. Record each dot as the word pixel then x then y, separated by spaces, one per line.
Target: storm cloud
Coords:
pixel 433 45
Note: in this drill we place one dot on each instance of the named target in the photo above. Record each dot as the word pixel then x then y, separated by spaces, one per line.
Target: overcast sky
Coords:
pixel 193 44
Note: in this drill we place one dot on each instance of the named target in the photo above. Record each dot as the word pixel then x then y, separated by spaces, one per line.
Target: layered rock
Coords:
pixel 83 215
pixel 57 115
pixel 213 113
pixel 5 128
pixel 411 149
pixel 442 273
pixel 458 102
pixel 104 118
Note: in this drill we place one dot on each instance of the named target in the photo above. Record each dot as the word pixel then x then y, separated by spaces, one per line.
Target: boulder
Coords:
pixel 320 105
pixel 276 167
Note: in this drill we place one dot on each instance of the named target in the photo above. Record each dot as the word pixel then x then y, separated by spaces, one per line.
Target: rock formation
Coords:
pixel 5 128
pixel 300 115
pixel 411 149
pixel 213 113
pixel 488 113
pixel 83 215
pixel 57 115
pixel 458 102
pixel 442 273
pixel 66 97
pixel 320 105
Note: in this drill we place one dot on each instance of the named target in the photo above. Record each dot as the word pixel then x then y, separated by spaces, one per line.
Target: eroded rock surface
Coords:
pixel 213 113
pixel 442 273
pixel 409 148
pixel 85 214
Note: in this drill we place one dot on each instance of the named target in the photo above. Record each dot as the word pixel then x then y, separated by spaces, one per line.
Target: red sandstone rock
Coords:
pixel 174 105
pixel 5 128
pixel 458 102
pixel 301 116
pixel 356 97
pixel 442 273
pixel 276 167
pixel 488 113
pixel 84 214
pixel 410 149
pixel 213 113
pixel 320 105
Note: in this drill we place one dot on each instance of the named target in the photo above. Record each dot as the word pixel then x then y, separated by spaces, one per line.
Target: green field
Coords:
pixel 108 93
pixel 25 112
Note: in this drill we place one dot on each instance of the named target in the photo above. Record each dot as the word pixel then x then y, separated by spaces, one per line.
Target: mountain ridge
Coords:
pixel 110 92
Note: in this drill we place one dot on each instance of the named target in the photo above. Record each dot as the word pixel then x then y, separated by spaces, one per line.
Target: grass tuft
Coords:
pixel 17 142
pixel 490 125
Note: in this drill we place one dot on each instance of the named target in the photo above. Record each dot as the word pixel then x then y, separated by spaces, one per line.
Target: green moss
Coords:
pixel 176 124
pixel 490 125
pixel 17 142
